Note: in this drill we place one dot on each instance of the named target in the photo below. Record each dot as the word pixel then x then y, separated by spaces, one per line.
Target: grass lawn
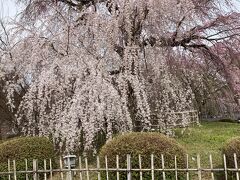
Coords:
pixel 208 139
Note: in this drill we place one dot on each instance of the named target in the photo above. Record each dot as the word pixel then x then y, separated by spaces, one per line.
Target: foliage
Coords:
pixel 86 66
pixel 231 147
pixel 28 148
pixel 143 144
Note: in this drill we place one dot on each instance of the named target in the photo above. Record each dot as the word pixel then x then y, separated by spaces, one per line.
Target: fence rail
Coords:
pixel 84 170
pixel 182 119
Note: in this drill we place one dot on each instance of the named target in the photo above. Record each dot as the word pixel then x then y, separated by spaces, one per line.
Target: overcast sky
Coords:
pixel 8 8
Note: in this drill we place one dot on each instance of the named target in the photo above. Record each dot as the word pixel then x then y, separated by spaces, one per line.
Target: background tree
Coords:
pixel 7 75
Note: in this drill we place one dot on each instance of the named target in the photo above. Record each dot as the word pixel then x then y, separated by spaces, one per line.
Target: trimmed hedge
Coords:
pixel 144 144
pixel 232 146
pixel 23 148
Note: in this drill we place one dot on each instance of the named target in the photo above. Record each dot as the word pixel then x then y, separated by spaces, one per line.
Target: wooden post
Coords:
pixel 35 169
pixel 175 165
pixel 117 163
pixel 98 167
pixel 129 176
pixel 199 167
pixel 87 168
pixel 14 170
pixel 106 165
pixel 50 167
pixel 61 168
pixel 9 169
pixel 163 167
pixel 225 166
pixel 211 166
pixel 236 166
pixel 26 168
pixel 187 167
pixel 80 167
pixel 69 169
pixel 140 166
pixel 152 166
pixel 45 169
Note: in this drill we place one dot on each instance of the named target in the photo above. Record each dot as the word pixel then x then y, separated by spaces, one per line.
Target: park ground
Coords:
pixel 206 139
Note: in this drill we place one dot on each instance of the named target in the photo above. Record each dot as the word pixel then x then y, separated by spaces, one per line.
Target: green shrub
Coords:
pixel 232 146
pixel 30 148
pixel 144 144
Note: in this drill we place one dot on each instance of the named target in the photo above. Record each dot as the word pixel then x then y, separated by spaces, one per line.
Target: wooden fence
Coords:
pixel 81 169
pixel 182 119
